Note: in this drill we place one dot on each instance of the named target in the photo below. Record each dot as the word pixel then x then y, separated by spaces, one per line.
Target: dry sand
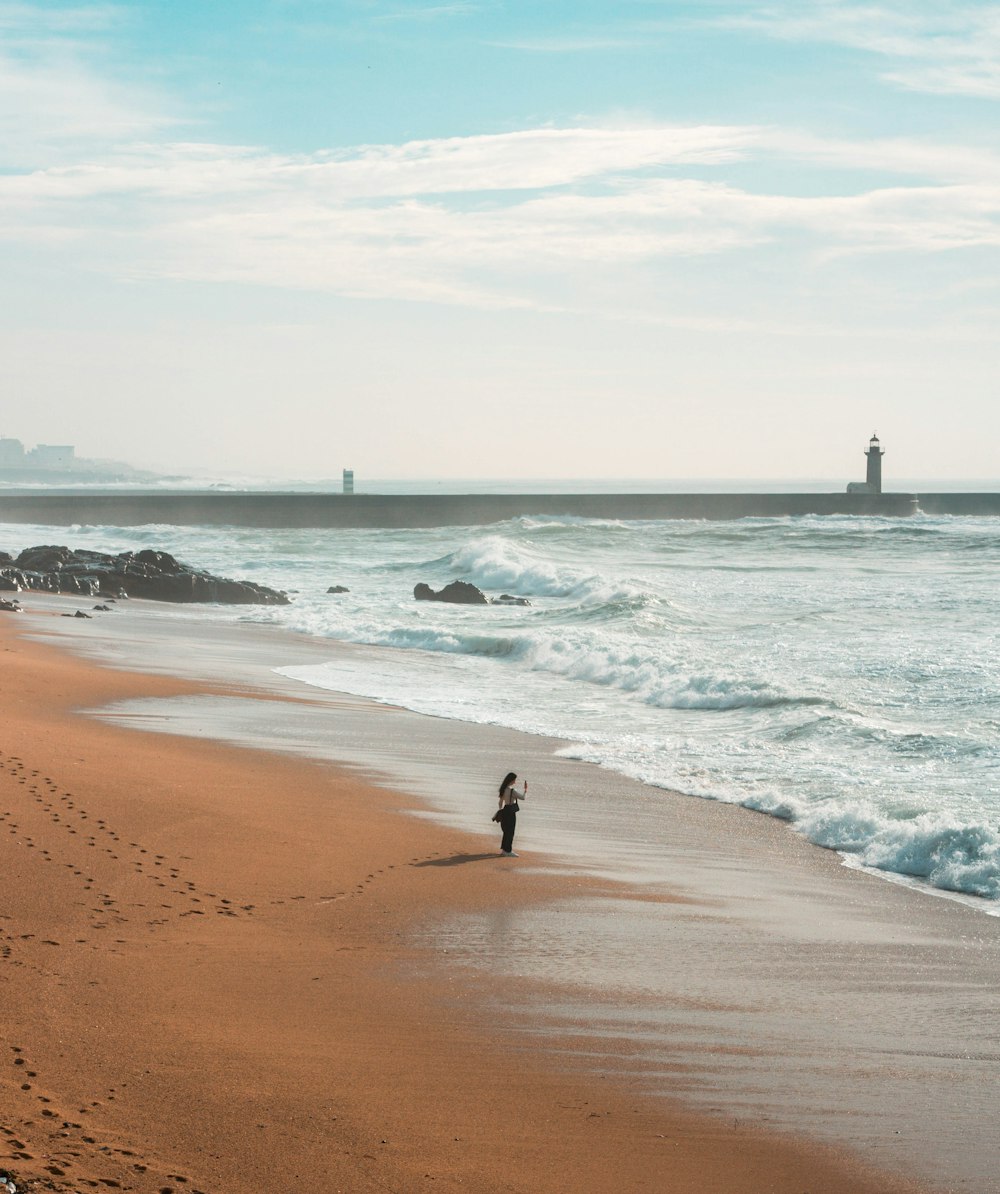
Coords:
pixel 213 978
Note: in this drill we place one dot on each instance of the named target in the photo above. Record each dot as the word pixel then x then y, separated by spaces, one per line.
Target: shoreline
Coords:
pixel 442 897
pixel 263 639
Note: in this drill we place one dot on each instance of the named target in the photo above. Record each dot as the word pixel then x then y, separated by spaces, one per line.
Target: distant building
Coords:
pixel 54 456
pixel 11 453
pixel 873 481
pixel 46 457
pixel 348 480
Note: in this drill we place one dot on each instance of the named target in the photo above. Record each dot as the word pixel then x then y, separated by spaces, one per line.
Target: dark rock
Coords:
pixel 43 559
pixel 79 614
pixel 10 607
pixel 338 589
pixel 6 557
pixel 459 592
pixel 86 585
pixel 104 609
pixel 507 599
pixel 84 561
pixel 9 585
pixel 160 560
pixel 155 575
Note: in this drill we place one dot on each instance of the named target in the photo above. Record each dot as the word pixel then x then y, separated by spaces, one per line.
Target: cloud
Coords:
pixel 54 101
pixel 514 219
pixel 30 20
pixel 888 156
pixel 56 106
pixel 528 160
pixel 945 48
pixel 428 12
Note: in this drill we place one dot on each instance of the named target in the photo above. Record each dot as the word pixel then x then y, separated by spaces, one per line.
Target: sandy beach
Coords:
pixel 228 969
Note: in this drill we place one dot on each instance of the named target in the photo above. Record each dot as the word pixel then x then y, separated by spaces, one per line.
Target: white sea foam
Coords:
pixel 936 847
pixel 495 563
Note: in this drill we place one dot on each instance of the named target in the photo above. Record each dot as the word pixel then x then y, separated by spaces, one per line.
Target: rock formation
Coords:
pixel 155 575
pixel 459 592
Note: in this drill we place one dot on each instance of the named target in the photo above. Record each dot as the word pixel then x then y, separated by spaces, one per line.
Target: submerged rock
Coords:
pixel 155 575
pixel 459 592
pixel 507 599
pixel 338 589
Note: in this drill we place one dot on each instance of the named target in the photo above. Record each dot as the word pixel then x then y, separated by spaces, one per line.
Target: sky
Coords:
pixel 493 238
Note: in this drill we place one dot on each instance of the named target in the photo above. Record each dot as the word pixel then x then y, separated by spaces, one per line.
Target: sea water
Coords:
pixel 840 673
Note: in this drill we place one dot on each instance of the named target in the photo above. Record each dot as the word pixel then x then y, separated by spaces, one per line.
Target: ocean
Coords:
pixel 838 673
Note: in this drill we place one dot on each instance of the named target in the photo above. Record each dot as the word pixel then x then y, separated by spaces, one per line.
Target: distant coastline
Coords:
pixel 59 465
pixel 95 475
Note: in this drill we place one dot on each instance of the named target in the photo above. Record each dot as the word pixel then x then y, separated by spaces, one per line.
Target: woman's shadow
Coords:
pixel 455 859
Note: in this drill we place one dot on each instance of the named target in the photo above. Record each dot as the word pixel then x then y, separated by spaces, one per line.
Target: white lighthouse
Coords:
pixel 873 478
pixel 874 454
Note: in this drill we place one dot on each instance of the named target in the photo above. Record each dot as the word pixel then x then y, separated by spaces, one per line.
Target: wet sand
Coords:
pixel 227 968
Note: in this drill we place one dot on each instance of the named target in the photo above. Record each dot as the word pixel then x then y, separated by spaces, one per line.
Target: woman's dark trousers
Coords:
pixel 508 822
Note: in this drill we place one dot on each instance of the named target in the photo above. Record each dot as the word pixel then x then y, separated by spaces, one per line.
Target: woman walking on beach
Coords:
pixel 509 797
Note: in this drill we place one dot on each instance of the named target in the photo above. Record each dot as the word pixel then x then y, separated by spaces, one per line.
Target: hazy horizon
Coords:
pixel 442 241
pixel 208 480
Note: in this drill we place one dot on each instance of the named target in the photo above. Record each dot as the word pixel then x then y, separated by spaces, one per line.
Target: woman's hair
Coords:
pixel 508 779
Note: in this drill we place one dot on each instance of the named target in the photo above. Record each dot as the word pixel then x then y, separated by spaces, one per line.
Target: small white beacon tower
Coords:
pixel 348 480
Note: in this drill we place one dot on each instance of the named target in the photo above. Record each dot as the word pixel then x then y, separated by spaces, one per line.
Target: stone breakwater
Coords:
pixel 409 511
pixel 155 575
pixel 191 508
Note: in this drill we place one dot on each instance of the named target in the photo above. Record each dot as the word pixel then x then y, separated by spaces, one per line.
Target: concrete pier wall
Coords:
pixel 430 510
pixel 959 503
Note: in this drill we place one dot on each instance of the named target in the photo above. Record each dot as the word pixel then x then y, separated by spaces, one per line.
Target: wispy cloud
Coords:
pixel 54 101
pixel 478 167
pixel 31 20
pixel 944 48
pixel 492 220
pixel 428 12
